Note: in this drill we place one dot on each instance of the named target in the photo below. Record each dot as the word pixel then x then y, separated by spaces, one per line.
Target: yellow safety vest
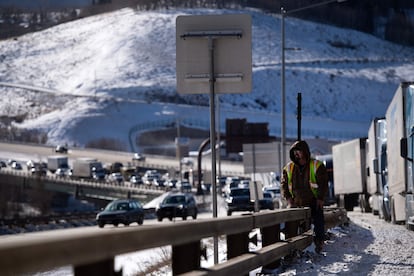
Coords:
pixel 313 166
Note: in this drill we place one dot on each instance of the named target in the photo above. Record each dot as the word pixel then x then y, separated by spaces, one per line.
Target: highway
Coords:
pixel 24 152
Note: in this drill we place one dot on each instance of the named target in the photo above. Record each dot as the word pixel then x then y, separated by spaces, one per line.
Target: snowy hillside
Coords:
pixel 111 73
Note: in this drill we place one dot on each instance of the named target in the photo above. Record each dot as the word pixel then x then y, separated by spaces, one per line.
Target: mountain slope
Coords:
pixel 107 68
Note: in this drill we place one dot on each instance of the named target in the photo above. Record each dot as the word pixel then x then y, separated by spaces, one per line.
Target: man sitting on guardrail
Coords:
pixel 305 184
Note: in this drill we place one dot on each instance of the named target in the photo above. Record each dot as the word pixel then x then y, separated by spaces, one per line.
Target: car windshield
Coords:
pixel 267 195
pixel 117 206
pixel 174 199
pixel 240 192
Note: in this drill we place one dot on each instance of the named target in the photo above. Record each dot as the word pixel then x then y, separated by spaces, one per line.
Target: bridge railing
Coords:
pixel 93 253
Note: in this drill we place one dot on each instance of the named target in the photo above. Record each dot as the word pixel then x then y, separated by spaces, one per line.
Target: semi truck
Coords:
pixel 377 185
pixel 56 161
pixel 400 154
pixel 326 159
pixel 88 168
pixel 350 174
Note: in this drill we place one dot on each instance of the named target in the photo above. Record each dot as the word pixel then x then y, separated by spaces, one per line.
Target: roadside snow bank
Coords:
pixel 368 246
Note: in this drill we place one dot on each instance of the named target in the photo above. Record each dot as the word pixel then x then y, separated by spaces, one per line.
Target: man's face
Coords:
pixel 299 156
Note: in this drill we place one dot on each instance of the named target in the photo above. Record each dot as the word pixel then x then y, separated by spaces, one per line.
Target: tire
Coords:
pixel 140 220
pixel 195 214
pixel 229 212
pixel 184 217
pixel 159 218
pixel 101 225
pixel 392 211
pixel 116 224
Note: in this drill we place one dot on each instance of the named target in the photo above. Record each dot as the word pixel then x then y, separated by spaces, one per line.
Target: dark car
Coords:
pixel 123 211
pixel 239 200
pixel 267 202
pixel 177 205
pixel 61 149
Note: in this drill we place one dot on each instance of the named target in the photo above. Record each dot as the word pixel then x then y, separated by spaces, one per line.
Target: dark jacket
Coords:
pixel 303 195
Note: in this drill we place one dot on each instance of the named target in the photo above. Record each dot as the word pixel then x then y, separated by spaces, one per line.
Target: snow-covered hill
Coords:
pixel 113 73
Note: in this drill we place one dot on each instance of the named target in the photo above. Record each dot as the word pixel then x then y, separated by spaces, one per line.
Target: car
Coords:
pixel 16 166
pixel 277 198
pixel 149 177
pixel 138 157
pixel 171 183
pixel 121 211
pixel 187 161
pixel 62 172
pixel 184 186
pixel 61 149
pixel 239 200
pixel 136 180
pixel 275 190
pixel 268 201
pixel 116 177
pixel 177 205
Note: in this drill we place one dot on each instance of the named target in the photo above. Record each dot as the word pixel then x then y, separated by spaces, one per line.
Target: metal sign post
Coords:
pixel 229 43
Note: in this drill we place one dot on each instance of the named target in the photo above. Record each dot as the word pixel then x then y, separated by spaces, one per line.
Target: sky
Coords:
pixel 108 76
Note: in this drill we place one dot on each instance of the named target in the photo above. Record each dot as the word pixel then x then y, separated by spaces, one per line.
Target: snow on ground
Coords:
pixel 107 74
pixel 367 246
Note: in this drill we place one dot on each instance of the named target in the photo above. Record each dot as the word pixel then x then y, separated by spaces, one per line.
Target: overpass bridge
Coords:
pixel 80 188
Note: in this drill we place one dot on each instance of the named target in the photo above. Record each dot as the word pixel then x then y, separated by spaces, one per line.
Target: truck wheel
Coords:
pixel 140 221
pixel 392 211
pixel 386 213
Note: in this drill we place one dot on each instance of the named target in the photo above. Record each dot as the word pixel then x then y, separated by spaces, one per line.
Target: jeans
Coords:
pixel 318 221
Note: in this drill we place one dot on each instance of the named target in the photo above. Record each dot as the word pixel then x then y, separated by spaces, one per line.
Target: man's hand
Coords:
pixel 319 204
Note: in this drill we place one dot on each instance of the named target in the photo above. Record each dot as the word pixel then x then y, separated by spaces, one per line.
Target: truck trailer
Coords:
pixel 88 168
pixel 400 148
pixel 377 185
pixel 57 161
pixel 350 178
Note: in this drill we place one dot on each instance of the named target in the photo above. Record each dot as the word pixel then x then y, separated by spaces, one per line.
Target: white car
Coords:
pixel 62 172
pixel 116 177
pixel 138 157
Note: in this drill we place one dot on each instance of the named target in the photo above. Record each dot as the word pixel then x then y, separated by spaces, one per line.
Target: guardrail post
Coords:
pixel 237 244
pixel 270 235
pixel 291 229
pixel 186 257
pixel 102 268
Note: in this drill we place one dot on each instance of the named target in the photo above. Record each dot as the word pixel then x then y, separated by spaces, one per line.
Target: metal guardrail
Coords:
pixel 79 185
pixel 93 253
